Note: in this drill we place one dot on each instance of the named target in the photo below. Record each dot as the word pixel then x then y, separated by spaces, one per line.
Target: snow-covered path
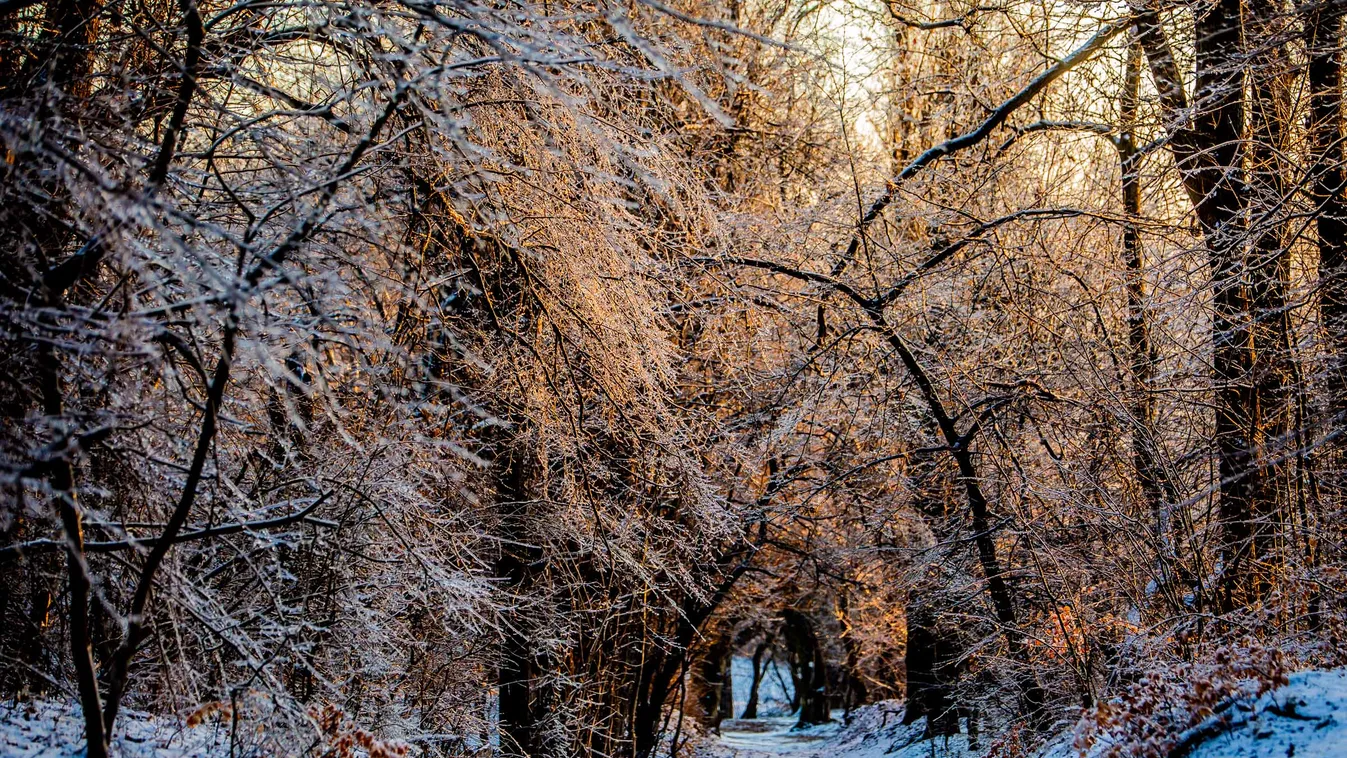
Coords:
pixel 875 731
pixel 773 736
pixel 1307 718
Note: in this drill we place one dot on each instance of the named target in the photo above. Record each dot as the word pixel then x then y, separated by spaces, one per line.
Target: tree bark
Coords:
pixel 854 691
pixel 1207 152
pixel 1323 29
pixel 751 707
pixel 521 720
pixel 1145 450
pixel 714 684
pixel 1269 267
pixel 931 672
pixel 96 729
pixel 807 660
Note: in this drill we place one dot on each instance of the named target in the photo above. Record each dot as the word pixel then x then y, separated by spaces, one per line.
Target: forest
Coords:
pixel 688 378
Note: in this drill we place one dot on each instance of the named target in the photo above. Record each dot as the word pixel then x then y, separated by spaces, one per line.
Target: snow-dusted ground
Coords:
pixel 772 736
pixel 52 730
pixel 875 731
pixel 1305 719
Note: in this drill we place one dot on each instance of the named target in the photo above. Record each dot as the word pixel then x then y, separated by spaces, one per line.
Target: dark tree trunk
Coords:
pixel 931 672
pixel 1323 38
pixel 714 683
pixel 522 721
pixel 1269 268
pixel 659 676
pixel 806 656
pixel 1141 408
pixel 727 689
pixel 959 447
pixel 1157 487
pixel 1219 126
pixel 853 687
pixel 751 707
pixel 1207 152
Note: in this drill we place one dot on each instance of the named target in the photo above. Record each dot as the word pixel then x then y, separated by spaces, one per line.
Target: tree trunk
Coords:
pixel 1207 152
pixel 811 689
pixel 931 671
pixel 999 591
pixel 1155 487
pixel 714 684
pixel 751 707
pixel 1323 37
pixel 1269 277
pixel 853 688
pixel 521 722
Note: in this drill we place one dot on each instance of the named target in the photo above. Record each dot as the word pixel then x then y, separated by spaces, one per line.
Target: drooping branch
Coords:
pixel 136 626
pixel 196 33
pixel 893 292
pixel 975 136
pixel 958 446
pixel 960 22
pixel 948 251
pixel 10 552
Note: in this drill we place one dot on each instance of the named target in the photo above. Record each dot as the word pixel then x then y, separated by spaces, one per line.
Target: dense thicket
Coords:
pixel 495 373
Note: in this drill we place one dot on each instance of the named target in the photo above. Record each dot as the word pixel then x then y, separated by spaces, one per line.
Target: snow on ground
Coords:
pixel 774 735
pixel 875 731
pixel 1305 719
pixel 52 730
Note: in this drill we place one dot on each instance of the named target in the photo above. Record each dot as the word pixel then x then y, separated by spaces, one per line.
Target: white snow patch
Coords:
pixel 875 731
pixel 1305 719
pixel 46 729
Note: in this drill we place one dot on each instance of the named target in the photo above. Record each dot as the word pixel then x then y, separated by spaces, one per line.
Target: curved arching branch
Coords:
pixel 970 138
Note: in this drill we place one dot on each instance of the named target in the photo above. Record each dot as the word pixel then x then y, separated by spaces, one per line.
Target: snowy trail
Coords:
pixel 1307 718
pixel 875 731
pixel 773 736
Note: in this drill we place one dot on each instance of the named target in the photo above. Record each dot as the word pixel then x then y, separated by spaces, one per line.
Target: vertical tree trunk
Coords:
pixel 714 685
pixel 811 689
pixel 74 25
pixel 1323 36
pixel 751 707
pixel 1155 485
pixel 1207 152
pixel 854 691
pixel 521 726
pixel 1269 277
pixel 96 729
pixel 999 590
pixel 1323 29
pixel 931 673
pixel 727 687
pixel 1219 126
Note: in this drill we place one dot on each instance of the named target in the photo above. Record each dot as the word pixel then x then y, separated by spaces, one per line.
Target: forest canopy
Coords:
pixel 486 378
